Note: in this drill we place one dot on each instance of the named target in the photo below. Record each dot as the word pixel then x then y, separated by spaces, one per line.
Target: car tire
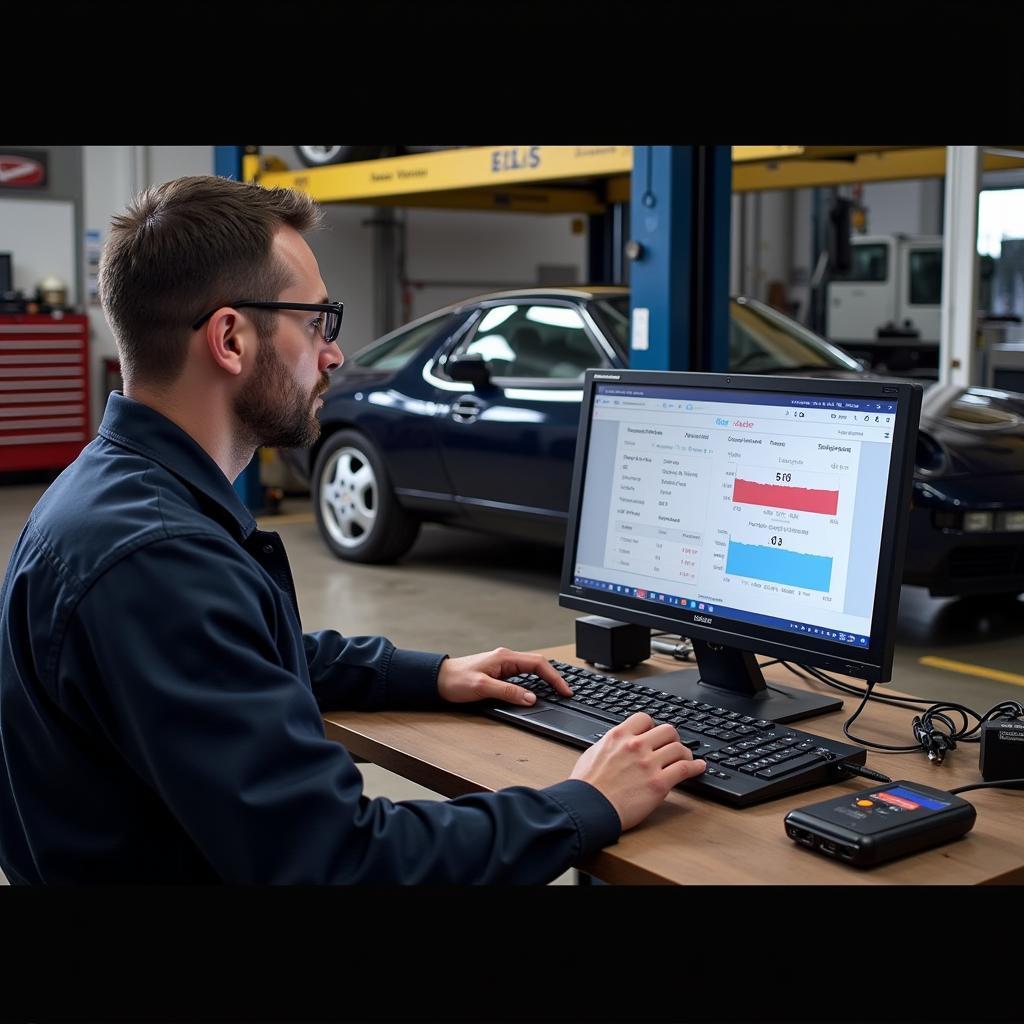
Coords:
pixel 357 512
pixel 322 156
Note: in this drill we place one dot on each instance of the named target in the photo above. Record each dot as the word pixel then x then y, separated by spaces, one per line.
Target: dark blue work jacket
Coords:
pixel 160 706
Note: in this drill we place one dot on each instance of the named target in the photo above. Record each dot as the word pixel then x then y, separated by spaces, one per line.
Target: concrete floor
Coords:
pixel 460 592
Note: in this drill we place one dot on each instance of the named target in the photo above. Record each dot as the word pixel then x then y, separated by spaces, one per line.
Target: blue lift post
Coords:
pixel 227 163
pixel 680 204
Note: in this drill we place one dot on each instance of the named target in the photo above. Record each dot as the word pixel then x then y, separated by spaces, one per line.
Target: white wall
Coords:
pixel 344 250
pixel 761 249
pixel 111 176
pixel 168 162
pixel 903 207
pixel 40 235
pixel 459 253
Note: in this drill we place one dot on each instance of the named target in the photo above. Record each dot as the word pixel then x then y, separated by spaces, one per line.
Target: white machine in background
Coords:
pixel 892 289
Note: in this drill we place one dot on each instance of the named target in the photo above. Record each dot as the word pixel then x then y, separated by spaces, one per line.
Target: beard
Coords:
pixel 272 409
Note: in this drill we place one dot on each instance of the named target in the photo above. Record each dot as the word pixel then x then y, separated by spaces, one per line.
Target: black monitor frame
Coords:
pixel 727 664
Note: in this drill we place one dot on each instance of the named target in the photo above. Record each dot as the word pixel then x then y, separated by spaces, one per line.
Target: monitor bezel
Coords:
pixel 873 663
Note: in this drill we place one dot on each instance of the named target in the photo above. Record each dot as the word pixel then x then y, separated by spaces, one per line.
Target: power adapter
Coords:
pixel 1002 750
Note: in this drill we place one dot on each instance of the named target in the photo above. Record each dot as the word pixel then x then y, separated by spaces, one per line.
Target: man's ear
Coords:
pixel 228 337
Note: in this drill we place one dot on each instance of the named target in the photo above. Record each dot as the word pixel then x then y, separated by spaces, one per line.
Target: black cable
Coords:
pixel 867 773
pixel 1001 784
pixel 935 731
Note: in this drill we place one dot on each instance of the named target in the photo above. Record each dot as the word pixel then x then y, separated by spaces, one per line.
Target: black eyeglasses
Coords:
pixel 329 329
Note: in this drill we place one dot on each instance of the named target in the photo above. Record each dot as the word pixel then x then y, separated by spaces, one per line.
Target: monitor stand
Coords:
pixel 730 678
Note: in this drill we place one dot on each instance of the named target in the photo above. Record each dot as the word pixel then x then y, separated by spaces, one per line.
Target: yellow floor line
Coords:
pixel 968 669
pixel 270 522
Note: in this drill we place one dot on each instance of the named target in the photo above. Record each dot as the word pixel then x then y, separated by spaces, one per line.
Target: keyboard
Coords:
pixel 749 760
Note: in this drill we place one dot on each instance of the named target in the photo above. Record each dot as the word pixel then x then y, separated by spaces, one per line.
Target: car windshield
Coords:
pixel 761 340
pixel 395 350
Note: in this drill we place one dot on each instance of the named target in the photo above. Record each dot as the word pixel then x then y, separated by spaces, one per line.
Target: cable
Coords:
pixel 1001 784
pixel 935 731
pixel 867 773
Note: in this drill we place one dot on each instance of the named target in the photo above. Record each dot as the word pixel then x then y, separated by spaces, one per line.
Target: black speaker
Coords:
pixel 607 643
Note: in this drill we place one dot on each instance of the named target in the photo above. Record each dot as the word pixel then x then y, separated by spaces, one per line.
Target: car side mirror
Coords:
pixel 472 370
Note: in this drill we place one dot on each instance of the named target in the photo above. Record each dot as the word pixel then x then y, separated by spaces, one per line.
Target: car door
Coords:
pixel 508 447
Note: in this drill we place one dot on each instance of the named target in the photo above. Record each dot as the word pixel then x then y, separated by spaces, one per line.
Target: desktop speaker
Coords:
pixel 607 643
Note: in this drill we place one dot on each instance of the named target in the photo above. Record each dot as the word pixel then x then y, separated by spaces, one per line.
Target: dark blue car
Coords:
pixel 469 416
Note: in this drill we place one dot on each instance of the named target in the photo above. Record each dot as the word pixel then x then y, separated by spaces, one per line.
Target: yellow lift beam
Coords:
pixel 584 179
pixel 891 165
pixel 479 177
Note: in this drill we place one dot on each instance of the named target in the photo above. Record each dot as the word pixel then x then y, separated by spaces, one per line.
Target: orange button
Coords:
pixel 865 803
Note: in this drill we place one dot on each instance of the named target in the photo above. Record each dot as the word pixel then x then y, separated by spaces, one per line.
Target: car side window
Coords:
pixel 394 352
pixel 532 340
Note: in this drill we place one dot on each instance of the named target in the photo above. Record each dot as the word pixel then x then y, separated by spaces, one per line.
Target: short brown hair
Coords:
pixel 182 248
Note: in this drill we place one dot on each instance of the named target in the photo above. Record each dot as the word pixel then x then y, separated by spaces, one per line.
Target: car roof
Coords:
pixel 583 291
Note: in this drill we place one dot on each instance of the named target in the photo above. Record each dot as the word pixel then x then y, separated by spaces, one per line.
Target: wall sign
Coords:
pixel 23 168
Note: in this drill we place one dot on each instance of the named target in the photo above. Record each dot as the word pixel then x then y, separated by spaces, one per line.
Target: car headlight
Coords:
pixel 977 522
pixel 1011 521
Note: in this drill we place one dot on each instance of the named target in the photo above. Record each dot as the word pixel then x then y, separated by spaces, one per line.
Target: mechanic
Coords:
pixel 160 706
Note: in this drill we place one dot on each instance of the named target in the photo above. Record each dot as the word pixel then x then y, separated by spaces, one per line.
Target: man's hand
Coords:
pixel 482 677
pixel 635 765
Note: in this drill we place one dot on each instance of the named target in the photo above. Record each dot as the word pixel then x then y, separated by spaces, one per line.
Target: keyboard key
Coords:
pixel 728 734
pixel 788 767
pixel 594 712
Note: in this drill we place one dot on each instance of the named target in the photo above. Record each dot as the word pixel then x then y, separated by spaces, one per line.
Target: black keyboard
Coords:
pixel 749 760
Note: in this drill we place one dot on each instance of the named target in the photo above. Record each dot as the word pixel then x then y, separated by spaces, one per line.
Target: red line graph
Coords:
pixel 799 499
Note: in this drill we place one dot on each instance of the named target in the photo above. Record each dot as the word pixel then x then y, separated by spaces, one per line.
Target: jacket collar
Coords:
pixel 142 429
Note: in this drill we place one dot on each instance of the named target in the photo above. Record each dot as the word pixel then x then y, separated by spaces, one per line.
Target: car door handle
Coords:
pixel 465 410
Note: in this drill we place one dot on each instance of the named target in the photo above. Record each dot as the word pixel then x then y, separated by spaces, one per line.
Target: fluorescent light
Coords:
pixel 556 316
pixel 496 316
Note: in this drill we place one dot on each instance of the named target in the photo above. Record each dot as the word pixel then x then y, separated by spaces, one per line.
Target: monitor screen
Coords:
pixel 748 510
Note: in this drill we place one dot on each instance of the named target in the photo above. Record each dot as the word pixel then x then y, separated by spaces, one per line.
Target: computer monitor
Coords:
pixel 750 514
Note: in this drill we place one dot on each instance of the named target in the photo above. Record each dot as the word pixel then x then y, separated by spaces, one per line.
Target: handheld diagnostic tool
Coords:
pixel 881 823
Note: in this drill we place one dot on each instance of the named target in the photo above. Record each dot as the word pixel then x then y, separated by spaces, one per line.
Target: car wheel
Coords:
pixel 356 510
pixel 321 156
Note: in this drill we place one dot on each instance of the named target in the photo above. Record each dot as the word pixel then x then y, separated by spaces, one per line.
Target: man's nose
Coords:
pixel 331 357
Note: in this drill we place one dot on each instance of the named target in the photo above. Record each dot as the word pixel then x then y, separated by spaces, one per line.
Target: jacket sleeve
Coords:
pixel 187 684
pixel 369 672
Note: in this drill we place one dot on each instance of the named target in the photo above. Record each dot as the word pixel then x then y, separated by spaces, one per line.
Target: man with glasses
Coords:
pixel 160 706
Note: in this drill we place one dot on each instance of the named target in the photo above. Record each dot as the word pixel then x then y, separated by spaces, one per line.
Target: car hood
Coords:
pixel 976 432
pixel 355 376
pixel 964 432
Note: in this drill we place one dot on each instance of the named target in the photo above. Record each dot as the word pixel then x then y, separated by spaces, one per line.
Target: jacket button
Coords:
pixel 268 549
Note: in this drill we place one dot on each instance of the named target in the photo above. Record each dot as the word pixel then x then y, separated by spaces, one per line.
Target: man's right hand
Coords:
pixel 635 765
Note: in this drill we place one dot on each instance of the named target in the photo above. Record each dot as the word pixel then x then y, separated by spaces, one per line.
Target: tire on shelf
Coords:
pixel 321 156
pixel 357 512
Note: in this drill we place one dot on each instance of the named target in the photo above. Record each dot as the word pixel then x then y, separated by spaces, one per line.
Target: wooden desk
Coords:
pixel 691 840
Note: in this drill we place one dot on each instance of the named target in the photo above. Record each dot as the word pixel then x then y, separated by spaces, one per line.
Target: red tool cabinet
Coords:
pixel 44 390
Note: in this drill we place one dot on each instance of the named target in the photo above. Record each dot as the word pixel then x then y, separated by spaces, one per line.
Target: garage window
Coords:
pixel 867 263
pixel 534 341
pixel 925 277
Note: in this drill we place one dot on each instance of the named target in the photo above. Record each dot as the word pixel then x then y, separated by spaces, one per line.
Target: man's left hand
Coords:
pixel 484 677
